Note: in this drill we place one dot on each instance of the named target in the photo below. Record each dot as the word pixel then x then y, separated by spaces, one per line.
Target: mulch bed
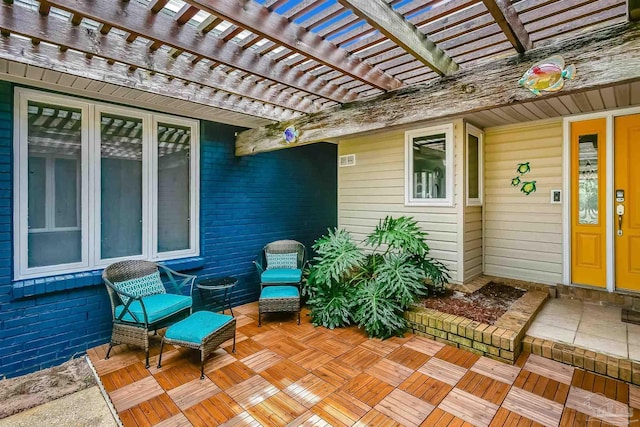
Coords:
pixel 485 305
pixel 21 393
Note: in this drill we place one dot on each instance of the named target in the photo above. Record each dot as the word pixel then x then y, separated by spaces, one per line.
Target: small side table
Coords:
pixel 219 284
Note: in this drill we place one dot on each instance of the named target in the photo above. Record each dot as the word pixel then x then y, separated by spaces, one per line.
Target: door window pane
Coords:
pixel 588 179
pixel 473 143
pixel 429 166
pixel 54 148
pixel 121 186
pixel 174 145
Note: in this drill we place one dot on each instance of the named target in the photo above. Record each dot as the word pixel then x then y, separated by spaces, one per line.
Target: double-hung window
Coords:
pixel 96 183
pixel 429 166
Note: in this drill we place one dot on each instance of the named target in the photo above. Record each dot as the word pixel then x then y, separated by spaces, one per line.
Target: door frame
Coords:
pixel 609 115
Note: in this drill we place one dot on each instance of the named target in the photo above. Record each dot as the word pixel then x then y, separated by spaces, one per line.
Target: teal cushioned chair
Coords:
pixel 280 266
pixel 145 297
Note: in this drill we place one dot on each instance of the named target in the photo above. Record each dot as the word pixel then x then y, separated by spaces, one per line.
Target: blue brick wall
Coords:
pixel 245 203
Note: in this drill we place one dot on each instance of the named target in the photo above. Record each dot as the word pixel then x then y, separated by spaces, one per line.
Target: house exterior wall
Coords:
pixel 472 242
pixel 523 234
pixel 375 188
pixel 244 203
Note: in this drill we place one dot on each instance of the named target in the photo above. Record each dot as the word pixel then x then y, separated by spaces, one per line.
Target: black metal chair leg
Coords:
pixel 108 351
pixel 160 355
pixel 202 370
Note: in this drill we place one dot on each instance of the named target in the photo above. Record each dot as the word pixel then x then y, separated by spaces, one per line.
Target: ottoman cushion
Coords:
pixel 279 292
pixel 195 328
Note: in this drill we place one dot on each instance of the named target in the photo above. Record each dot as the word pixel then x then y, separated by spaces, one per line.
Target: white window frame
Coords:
pixel 90 183
pixel 472 130
pixel 446 129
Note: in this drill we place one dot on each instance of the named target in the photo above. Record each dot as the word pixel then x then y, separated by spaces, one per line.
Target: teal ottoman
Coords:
pixel 204 331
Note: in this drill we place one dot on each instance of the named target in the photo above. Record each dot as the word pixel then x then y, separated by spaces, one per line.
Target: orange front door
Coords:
pixel 588 184
pixel 627 224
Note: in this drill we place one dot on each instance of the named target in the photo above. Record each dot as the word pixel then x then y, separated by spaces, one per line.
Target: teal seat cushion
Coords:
pixel 279 292
pixel 158 307
pixel 141 286
pixel 197 327
pixel 281 275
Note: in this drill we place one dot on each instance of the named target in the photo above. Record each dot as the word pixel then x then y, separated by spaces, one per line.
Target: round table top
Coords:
pixel 217 283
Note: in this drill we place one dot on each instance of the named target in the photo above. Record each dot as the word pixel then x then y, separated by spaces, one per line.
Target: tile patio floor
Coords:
pixel 285 374
pixel 591 326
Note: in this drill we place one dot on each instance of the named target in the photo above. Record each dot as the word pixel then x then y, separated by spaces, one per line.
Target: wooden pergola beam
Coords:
pixel 136 19
pixel 603 58
pixel 277 28
pixel 381 16
pixel 509 22
pixel 27 23
pixel 75 63
pixel 634 10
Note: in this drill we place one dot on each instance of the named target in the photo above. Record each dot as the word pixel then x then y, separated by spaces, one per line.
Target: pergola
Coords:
pixel 330 68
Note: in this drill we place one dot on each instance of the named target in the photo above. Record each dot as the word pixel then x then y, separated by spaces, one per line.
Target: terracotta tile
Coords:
pixel 359 358
pixel 599 384
pixel 424 345
pixel 329 345
pixel 440 418
pixel 340 409
pixel 261 360
pixel 213 411
pixel 408 357
pixel 483 387
pixel 404 408
pixel 378 419
pixel 390 372
pixel 443 371
pixel 311 358
pixel 124 376
pixel 252 391
pixel 549 368
pixel 278 410
pixel 598 406
pixel 458 357
pixel 242 420
pixel 533 406
pixel 193 392
pixel 133 394
pixel 310 390
pixel 283 373
pixel 230 375
pixel 309 419
pixel 367 389
pixel 426 388
pixel 499 371
pixel 336 372
pixel 466 406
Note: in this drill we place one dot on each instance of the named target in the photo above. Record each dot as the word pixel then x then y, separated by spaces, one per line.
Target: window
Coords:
pixel 474 166
pixel 429 166
pixel 96 183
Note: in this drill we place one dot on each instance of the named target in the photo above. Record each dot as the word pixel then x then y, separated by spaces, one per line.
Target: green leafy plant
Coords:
pixel 372 284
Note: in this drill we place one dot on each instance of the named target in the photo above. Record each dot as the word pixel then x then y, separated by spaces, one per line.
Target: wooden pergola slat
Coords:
pixel 74 63
pixel 604 58
pixel 270 25
pixel 135 19
pixel 30 24
pixel 507 18
pixel 381 16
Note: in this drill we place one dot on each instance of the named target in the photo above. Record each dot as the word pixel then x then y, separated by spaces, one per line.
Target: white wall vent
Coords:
pixel 347 160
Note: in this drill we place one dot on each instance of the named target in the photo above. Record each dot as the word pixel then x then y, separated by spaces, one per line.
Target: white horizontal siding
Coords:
pixel 374 188
pixel 472 242
pixel 523 234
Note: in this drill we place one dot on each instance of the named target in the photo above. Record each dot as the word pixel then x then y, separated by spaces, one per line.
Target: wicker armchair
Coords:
pixel 280 267
pixel 145 297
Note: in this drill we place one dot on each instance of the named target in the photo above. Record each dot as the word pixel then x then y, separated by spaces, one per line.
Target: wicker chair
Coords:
pixel 280 267
pixel 145 297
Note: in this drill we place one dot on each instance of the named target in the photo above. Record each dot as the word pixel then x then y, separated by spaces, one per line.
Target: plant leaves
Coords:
pixel 401 234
